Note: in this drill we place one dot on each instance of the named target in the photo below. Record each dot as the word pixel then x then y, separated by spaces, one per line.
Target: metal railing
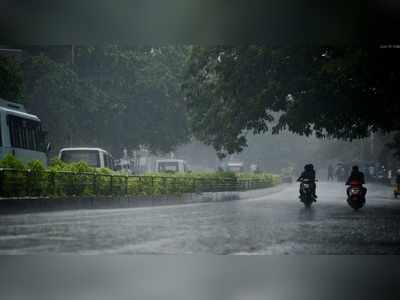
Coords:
pixel 25 183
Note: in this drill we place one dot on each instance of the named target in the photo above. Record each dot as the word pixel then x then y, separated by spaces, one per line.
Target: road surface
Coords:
pixel 273 224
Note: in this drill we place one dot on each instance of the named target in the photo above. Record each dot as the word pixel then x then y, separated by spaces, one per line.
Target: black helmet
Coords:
pixel 355 168
pixel 309 167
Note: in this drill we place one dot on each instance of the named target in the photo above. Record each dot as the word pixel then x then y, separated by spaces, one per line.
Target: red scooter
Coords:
pixel 355 195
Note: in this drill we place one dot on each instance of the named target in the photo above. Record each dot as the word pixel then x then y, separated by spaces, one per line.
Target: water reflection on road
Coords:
pixel 275 224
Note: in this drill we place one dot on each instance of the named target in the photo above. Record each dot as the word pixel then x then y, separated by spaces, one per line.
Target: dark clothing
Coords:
pixel 310 175
pixel 356 176
pixel 398 179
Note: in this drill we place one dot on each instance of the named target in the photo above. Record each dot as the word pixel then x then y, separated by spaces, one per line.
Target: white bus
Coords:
pixel 94 157
pixel 171 165
pixel 21 133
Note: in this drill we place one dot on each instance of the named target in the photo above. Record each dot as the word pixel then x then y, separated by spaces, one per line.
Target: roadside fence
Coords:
pixel 26 183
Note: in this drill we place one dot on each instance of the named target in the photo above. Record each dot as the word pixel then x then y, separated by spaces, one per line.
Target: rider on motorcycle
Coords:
pixel 309 174
pixel 357 176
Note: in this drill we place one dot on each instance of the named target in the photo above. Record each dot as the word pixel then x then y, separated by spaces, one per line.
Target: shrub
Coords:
pixel 36 178
pixel 9 161
pixel 13 183
pixel 79 179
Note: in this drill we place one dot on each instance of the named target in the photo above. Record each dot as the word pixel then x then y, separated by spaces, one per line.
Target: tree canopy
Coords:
pixel 117 96
pixel 10 78
pixel 340 92
pixel 109 96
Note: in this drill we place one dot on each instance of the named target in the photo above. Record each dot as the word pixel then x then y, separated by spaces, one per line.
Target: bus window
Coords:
pixel 25 133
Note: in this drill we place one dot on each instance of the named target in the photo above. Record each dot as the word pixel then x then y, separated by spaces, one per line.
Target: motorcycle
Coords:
pixel 306 192
pixel 355 195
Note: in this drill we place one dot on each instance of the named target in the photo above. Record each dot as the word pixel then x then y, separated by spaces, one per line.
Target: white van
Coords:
pixel 21 133
pixel 235 167
pixel 94 157
pixel 171 165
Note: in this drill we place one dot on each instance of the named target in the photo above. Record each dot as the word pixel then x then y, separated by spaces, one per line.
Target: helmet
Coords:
pixel 355 168
pixel 309 167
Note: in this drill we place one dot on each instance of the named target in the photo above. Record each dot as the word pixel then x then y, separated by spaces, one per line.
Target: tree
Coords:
pixel 66 104
pixel 145 84
pixel 10 79
pixel 111 96
pixel 340 92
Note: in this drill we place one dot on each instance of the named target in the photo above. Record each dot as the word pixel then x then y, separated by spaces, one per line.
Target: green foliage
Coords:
pixel 10 79
pixel 57 164
pixel 66 104
pixel 149 95
pixel 35 166
pixel 21 179
pixel 264 179
pixel 78 179
pixel 134 91
pixel 9 161
pixel 36 179
pixel 12 183
pixel 341 92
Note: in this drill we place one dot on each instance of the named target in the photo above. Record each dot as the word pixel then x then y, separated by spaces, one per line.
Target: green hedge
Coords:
pixel 61 179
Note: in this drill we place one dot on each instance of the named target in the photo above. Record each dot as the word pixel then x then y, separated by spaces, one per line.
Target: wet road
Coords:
pixel 273 224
